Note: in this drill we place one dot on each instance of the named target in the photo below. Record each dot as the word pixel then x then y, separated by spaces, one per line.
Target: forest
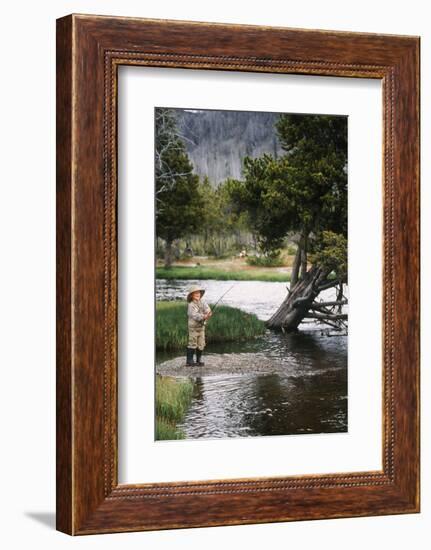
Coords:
pixel 281 216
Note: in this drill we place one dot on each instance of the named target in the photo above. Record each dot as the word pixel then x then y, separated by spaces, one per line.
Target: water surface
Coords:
pixel 304 390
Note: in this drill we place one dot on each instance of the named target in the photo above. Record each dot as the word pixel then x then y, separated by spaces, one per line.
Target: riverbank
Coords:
pixel 269 274
pixel 228 324
pixel 217 364
pixel 173 398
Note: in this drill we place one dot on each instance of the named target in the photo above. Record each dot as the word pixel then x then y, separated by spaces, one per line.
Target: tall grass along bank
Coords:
pixel 228 324
pixel 173 398
pixel 203 272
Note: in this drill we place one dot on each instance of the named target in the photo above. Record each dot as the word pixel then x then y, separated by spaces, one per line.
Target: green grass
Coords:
pixel 173 398
pixel 228 324
pixel 166 431
pixel 203 273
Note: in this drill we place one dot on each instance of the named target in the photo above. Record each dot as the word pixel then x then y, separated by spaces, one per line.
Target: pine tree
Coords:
pixel 303 192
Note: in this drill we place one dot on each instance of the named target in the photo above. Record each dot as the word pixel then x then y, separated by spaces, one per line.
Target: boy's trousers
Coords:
pixel 197 338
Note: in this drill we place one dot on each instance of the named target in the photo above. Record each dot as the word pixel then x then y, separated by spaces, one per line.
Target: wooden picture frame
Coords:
pixel 89 51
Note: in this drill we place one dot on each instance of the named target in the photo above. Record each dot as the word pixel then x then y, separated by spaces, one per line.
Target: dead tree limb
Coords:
pixel 327 285
pixel 320 305
pixel 331 316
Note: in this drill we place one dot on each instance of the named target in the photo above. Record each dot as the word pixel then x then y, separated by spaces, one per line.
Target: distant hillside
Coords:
pixel 217 141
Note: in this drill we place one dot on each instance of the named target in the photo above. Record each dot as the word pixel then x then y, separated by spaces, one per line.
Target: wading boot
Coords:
pixel 189 360
pixel 199 363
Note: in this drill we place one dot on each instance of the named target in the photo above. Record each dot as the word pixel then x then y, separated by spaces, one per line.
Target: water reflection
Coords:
pixel 308 398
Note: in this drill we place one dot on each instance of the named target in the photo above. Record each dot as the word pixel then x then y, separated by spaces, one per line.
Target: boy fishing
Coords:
pixel 198 312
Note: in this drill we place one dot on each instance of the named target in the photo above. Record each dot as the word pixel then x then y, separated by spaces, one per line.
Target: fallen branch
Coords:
pixel 320 305
pixel 333 316
pixel 327 285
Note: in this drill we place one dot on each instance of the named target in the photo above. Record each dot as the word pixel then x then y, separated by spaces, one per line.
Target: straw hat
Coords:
pixel 194 288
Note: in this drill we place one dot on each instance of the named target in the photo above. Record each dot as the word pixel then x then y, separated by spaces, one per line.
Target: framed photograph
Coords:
pixel 237 274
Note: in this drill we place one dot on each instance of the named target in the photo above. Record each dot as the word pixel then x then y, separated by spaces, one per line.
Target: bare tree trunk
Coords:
pixel 295 269
pixel 340 297
pixel 304 242
pixel 168 253
pixel 298 302
pixel 254 241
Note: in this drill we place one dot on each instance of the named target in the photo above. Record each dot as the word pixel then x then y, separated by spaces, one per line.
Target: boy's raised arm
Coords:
pixel 207 310
pixel 193 312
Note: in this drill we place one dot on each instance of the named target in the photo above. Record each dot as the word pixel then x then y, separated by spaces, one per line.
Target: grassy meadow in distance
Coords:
pixel 204 273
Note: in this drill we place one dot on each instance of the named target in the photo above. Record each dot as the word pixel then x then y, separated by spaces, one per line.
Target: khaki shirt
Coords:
pixel 196 312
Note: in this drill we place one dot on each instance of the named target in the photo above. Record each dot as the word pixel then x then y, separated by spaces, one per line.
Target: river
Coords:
pixel 287 384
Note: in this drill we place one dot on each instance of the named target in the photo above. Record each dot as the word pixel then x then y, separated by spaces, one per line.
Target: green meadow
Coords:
pixel 218 274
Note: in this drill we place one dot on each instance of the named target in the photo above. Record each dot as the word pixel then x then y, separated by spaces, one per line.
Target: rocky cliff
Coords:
pixel 217 141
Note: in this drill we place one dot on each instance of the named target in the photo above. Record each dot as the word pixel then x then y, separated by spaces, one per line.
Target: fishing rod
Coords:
pixel 221 297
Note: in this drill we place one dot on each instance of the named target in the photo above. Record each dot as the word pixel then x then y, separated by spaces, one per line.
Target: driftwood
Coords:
pixel 300 304
pixel 323 316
